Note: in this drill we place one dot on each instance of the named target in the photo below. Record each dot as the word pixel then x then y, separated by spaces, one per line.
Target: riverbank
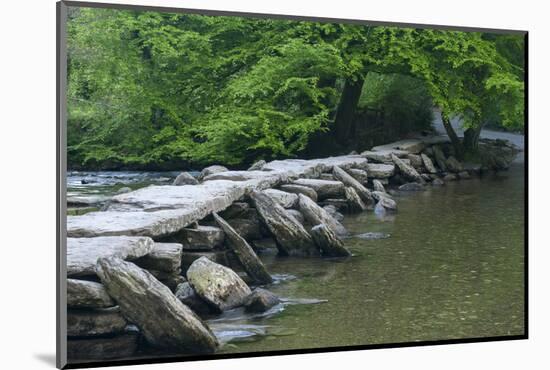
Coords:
pixel 260 222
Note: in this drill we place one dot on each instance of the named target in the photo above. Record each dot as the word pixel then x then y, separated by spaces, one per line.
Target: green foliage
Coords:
pixel 150 88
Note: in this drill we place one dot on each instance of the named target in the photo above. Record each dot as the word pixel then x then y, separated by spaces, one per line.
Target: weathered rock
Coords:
pixel 387 203
pixel 378 186
pixel 236 210
pixel 185 178
pixel 438 182
pixel 103 348
pixel 413 146
pixel 440 158
pixel 87 294
pixel 324 188
pixel 333 211
pixel 380 171
pixel 299 189
pixel 257 166
pixel 354 201
pixel 412 186
pixel 83 323
pixel 296 214
pixel 347 180
pixel 170 279
pixel 416 160
pixel 450 177
pixel 316 215
pixel 428 164
pixel 407 170
pixel 427 177
pixel 454 165
pixel 164 320
pixel 200 238
pixel 185 293
pixel 244 253
pixel 326 177
pixel 164 257
pixel 210 171
pixel 292 238
pixel 380 194
pixel 359 175
pixel 220 286
pixel 383 156
pixel 285 199
pixel 187 258
pixel 83 253
pixel 248 228
pixel 260 300
pixel 464 175
pixel 329 243
pixel 123 190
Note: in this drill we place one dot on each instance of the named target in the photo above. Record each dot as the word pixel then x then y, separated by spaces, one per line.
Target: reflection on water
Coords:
pixel 451 268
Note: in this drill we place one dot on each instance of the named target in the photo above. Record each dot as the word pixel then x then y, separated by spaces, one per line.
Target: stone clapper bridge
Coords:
pixel 124 269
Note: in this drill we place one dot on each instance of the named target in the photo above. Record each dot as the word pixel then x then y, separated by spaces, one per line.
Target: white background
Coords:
pixel 27 207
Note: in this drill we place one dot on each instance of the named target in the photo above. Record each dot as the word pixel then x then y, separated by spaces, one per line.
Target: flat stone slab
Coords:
pixel 413 146
pixel 161 210
pixel 87 294
pixel 83 253
pixel 380 171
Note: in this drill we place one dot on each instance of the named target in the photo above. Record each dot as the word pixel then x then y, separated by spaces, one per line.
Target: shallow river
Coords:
pixel 452 267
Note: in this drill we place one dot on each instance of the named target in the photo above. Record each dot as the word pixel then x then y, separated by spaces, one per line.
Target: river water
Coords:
pixel 451 266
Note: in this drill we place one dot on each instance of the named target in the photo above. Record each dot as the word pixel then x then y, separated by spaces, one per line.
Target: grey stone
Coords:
pixel 333 211
pixel 440 158
pixel 83 253
pixel 87 294
pixel 285 199
pixel 438 182
pixel 187 258
pixel 428 164
pixel 201 238
pixel 383 156
pixel 257 166
pixel 378 186
pixel 450 177
pixel 84 323
pixel 185 178
pixel 347 180
pixel 359 175
pixel 248 228
pixel 354 201
pixel 299 189
pixel 316 215
pixel 210 171
pixel 416 161
pixel 296 214
pixel 103 348
pixel 454 165
pixel 170 279
pixel 326 176
pixel 164 257
pixel 185 293
pixel 380 171
pixel 163 319
pixel 235 210
pixel 329 243
pixel 292 238
pixel 244 253
pixel 260 300
pixel 387 203
pixel 324 188
pixel 413 146
pixel 218 285
pixel 380 194
pixel 407 170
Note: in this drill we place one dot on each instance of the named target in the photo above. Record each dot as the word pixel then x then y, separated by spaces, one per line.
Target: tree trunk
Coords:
pixel 471 138
pixel 346 109
pixel 455 140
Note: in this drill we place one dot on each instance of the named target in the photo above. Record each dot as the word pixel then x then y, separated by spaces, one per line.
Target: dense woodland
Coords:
pixel 160 90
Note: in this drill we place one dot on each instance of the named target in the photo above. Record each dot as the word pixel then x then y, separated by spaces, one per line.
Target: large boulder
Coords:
pixel 185 178
pixel 87 294
pixel 164 320
pixel 428 164
pixel 407 170
pixel 244 253
pixel 292 238
pixel 218 285
pixel 210 171
pixel 316 215
pixel 200 238
pixel 82 323
pixel 285 199
pixel 299 189
pixel 164 257
pixel 260 300
pixel 83 253
pixel 329 243
pixel 380 171
pixel 348 180
pixel 324 188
